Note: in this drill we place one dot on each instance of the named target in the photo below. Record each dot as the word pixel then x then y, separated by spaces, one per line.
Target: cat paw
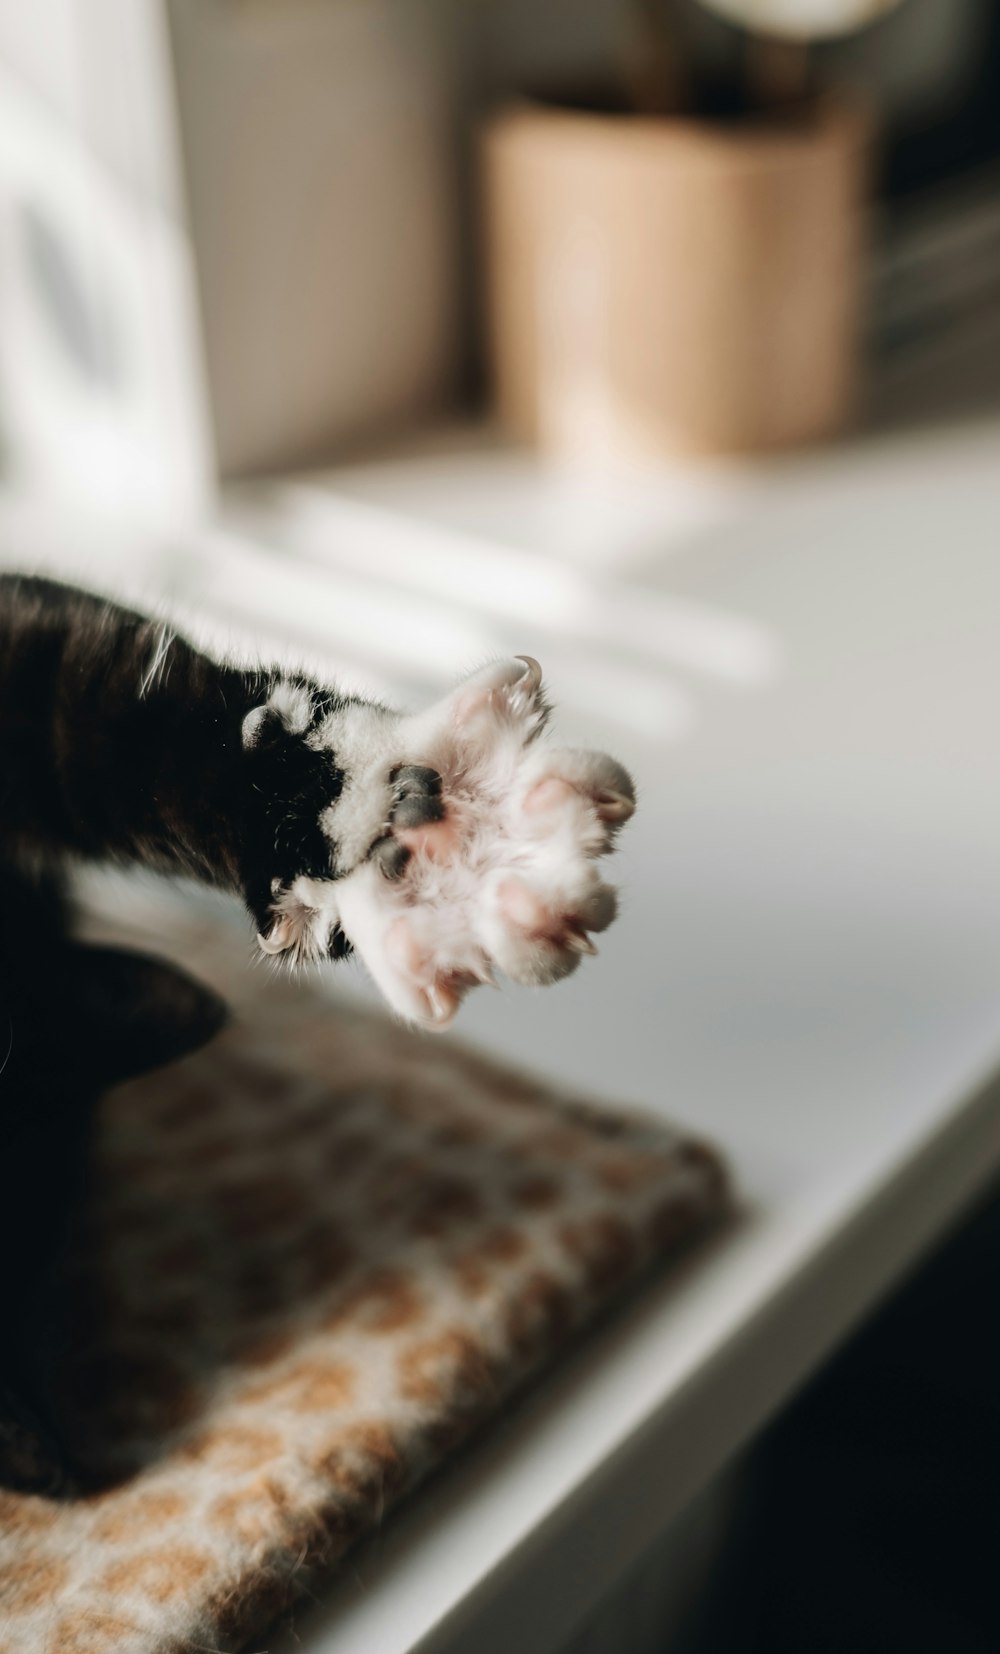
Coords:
pixel 487 857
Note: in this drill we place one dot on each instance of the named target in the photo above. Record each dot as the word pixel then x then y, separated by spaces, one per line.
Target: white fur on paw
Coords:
pixel 506 880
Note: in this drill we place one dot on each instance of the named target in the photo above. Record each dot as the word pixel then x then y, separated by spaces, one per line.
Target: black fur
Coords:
pixel 73 1020
pixel 116 746
pixel 120 742
pixel 287 786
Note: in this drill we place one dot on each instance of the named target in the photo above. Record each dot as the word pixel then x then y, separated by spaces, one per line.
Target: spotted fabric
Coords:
pixel 318 1253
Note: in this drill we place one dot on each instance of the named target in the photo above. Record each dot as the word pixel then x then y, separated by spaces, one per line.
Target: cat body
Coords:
pixel 443 846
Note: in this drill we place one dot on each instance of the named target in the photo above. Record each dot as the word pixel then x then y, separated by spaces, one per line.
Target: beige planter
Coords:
pixel 659 286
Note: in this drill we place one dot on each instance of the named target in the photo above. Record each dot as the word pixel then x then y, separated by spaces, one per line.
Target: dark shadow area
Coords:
pixel 871 1523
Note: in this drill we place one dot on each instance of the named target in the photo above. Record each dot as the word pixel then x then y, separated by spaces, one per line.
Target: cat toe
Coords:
pixel 418 956
pixel 589 792
pixel 507 690
pixel 503 702
pixel 538 931
pixel 391 856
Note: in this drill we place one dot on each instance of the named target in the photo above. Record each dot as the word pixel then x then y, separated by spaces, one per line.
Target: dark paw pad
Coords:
pixel 416 796
pixel 391 857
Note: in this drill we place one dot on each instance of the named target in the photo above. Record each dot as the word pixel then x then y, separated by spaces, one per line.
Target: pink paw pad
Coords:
pixel 436 840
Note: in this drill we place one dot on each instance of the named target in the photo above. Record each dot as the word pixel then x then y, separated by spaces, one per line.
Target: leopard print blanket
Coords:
pixel 319 1253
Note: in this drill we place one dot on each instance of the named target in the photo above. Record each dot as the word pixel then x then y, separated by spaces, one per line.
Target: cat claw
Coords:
pixel 277 940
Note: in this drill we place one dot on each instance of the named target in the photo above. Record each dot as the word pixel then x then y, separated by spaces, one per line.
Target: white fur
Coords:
pixel 293 704
pixel 365 742
pixel 305 916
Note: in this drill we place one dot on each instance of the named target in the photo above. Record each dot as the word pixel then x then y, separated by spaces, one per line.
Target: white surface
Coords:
pixel 807 966
pixel 801 665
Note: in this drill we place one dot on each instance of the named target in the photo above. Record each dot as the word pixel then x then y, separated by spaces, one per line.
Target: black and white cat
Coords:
pixel 441 846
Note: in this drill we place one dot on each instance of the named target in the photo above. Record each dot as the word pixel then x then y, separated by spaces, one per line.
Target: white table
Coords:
pixel 802 666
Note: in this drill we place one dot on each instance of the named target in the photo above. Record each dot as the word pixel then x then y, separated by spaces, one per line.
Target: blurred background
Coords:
pixel 351 287
pixel 657 339
pixel 242 239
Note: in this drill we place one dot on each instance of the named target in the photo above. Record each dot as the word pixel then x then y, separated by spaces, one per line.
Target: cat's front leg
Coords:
pixel 465 842
pixel 30 1459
